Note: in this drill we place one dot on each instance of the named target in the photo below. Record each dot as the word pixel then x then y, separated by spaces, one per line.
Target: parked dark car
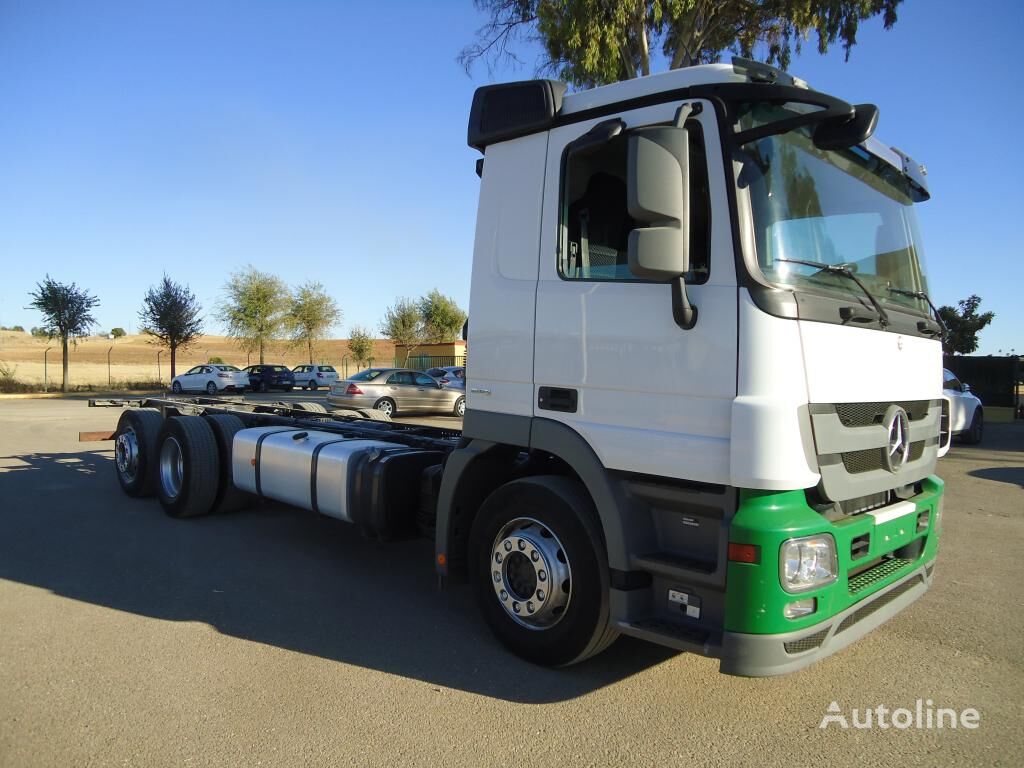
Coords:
pixel 263 378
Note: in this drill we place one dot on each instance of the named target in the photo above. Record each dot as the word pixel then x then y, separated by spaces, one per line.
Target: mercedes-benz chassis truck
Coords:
pixel 703 397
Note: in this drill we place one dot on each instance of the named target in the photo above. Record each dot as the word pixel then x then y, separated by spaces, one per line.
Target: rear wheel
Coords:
pixel 541 571
pixel 460 407
pixel 189 467
pixel 135 450
pixel 307 406
pixel 313 386
pixel 228 497
pixel 386 406
pixel 977 429
pixel 374 415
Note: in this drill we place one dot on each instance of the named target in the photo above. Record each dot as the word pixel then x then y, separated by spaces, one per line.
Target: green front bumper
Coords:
pixel 892 571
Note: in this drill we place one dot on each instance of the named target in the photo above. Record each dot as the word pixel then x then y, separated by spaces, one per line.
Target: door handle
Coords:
pixel 557 399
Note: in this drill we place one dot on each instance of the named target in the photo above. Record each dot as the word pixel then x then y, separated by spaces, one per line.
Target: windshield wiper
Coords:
pixel 843 269
pixel 924 297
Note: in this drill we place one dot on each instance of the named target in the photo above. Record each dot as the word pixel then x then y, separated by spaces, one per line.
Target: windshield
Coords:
pixel 844 207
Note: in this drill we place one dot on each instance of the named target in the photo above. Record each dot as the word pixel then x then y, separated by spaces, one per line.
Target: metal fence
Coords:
pixel 993 379
pixel 425 362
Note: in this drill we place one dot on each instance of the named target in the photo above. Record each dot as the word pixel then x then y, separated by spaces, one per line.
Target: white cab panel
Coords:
pixel 652 397
pixel 503 291
pixel 771 430
pixel 843 364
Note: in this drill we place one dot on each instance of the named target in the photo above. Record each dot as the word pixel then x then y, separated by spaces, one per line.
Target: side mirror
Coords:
pixel 966 387
pixel 658 198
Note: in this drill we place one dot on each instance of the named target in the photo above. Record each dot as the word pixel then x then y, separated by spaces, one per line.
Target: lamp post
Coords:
pixel 159 371
pixel 108 364
pixel 344 365
pixel 45 379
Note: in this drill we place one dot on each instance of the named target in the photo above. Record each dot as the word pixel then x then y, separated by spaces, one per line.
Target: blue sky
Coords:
pixel 310 141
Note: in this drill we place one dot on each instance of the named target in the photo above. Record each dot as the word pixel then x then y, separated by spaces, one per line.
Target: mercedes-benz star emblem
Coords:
pixel 897 448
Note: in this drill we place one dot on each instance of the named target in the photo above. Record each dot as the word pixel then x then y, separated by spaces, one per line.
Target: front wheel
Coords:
pixel 211 388
pixel 263 386
pixel 176 387
pixel 541 571
pixel 460 407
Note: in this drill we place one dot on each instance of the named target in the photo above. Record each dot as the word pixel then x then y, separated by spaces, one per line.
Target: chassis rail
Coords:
pixel 280 413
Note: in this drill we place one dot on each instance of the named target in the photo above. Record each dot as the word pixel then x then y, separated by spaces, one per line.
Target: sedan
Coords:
pixel 314 376
pixel 263 378
pixel 452 376
pixel 966 416
pixel 390 390
pixel 210 379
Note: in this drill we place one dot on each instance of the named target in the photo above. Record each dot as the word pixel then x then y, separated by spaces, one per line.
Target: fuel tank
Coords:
pixel 373 483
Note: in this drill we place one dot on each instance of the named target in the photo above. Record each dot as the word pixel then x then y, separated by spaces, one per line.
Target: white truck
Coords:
pixel 704 404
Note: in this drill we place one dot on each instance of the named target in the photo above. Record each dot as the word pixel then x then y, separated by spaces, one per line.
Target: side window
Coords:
pixel 422 380
pixel 595 222
pixel 192 371
pixel 401 377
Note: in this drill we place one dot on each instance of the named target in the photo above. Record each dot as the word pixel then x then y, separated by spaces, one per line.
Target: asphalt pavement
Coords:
pixel 272 637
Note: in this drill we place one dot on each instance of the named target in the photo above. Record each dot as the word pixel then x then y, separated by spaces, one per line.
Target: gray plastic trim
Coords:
pixel 765 655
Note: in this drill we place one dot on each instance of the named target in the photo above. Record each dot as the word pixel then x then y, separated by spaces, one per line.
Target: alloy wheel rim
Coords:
pixel 530 573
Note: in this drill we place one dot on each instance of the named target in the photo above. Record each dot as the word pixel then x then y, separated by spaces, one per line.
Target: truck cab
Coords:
pixel 701 335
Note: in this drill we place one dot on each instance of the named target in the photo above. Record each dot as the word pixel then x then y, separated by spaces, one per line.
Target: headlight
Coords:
pixel 807 562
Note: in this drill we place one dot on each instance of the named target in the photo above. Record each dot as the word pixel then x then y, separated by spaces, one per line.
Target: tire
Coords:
pixel 373 414
pixel 263 387
pixel 313 386
pixel 350 412
pixel 976 431
pixel 228 498
pixel 460 407
pixel 307 406
pixel 567 626
pixel 176 387
pixel 135 451
pixel 386 406
pixel 188 467
pixel 211 388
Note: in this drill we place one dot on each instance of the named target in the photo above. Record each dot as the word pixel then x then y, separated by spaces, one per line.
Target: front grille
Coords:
pixel 871 459
pixel 866 414
pixel 882 571
pixel 881 602
pixel 806 643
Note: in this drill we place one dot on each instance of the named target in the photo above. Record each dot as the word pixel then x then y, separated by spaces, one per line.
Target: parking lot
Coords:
pixel 273 637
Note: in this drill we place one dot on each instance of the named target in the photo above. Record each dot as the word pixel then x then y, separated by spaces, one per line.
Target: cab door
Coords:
pixel 610 361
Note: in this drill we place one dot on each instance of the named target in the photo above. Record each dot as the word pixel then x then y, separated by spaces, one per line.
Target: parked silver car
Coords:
pixel 391 390
pixel 451 376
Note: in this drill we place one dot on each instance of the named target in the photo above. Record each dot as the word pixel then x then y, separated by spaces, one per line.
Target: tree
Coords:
pixel 360 344
pixel 39 333
pixel 963 324
pixel 254 309
pixel 118 333
pixel 311 315
pixel 442 318
pixel 593 42
pixel 403 324
pixel 67 314
pixel 170 313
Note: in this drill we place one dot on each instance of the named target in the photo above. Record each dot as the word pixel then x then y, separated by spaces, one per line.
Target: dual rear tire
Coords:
pixel 185 461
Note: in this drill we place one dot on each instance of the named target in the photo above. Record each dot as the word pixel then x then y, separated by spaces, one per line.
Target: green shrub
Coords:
pixel 117 333
pixel 216 360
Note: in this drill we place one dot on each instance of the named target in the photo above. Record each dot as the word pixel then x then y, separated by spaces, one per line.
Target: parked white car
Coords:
pixel 210 379
pixel 314 376
pixel 966 416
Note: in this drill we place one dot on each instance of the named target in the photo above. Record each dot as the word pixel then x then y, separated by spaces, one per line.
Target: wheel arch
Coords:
pixel 484 464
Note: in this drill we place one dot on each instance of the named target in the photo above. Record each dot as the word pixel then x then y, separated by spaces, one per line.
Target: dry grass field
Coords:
pixel 134 358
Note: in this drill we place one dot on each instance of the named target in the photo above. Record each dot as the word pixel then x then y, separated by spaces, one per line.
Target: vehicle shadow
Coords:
pixel 271 574
pixel 1011 475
